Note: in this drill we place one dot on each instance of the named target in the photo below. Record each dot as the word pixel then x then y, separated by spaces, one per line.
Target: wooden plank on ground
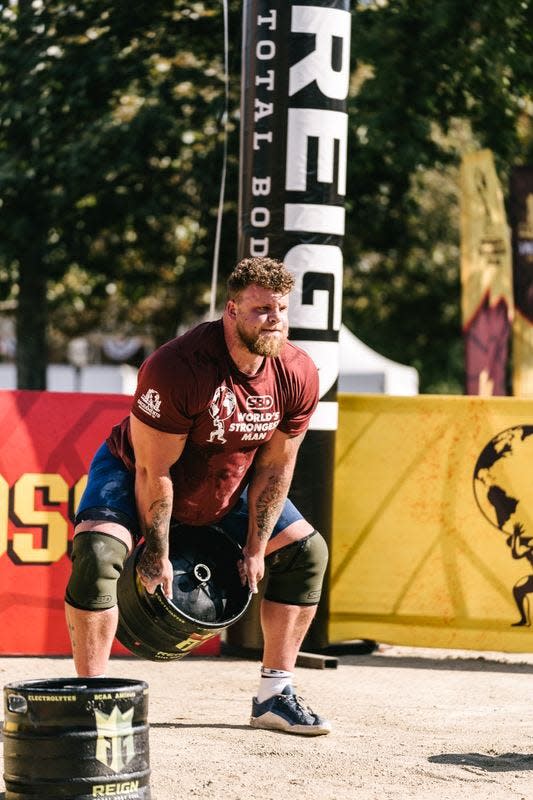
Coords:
pixel 316 661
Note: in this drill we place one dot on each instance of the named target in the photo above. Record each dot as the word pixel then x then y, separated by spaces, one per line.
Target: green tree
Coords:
pixel 430 80
pixel 111 148
pixel 109 140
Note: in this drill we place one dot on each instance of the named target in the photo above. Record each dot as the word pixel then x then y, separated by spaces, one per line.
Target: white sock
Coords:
pixel 273 681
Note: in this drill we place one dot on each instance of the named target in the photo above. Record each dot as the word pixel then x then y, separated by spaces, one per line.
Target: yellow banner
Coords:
pixel 522 356
pixel 521 196
pixel 486 259
pixel 433 522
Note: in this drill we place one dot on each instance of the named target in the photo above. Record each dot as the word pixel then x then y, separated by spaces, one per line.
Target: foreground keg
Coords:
pixel 207 596
pixel 76 739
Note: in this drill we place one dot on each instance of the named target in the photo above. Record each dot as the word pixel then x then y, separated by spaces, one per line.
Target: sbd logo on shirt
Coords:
pixel 150 403
pixel 260 402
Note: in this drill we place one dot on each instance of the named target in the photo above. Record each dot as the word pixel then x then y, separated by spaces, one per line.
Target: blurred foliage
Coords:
pixel 111 138
pixel 430 81
pixel 110 151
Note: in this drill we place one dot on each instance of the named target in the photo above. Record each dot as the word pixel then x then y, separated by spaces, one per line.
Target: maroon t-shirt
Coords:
pixel 190 385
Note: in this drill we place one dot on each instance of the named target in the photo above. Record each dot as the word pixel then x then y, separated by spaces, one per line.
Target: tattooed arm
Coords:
pixel 272 475
pixel 155 452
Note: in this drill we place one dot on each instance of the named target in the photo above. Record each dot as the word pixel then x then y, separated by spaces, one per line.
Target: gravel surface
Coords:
pixel 407 723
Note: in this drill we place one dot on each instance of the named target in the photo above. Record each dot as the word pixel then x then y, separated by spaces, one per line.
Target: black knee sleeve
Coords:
pixel 97 561
pixel 296 572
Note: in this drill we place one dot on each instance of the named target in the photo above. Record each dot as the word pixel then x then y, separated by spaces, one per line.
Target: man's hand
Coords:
pixel 153 571
pixel 251 569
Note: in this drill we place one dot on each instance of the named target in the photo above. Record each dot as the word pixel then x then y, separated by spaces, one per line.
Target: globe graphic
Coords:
pixel 503 481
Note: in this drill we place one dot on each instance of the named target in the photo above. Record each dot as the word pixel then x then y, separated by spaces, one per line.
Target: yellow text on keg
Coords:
pixel 114 789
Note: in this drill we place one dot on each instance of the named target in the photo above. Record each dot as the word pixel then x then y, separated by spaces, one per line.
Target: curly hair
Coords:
pixel 265 272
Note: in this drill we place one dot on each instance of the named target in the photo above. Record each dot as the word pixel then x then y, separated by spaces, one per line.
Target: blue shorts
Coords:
pixel 110 495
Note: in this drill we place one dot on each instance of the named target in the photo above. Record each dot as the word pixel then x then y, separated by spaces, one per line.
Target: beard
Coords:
pixel 263 344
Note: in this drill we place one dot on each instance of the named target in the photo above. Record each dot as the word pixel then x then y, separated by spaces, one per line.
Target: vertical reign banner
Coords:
pixel 294 127
pixel 486 276
pixel 521 196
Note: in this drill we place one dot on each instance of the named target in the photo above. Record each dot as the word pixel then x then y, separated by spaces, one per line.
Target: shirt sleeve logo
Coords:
pixel 222 407
pixel 150 403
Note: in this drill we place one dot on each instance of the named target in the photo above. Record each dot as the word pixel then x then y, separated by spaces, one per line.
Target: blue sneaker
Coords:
pixel 287 712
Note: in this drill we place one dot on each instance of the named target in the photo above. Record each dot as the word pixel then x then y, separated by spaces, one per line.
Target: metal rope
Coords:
pixel 216 250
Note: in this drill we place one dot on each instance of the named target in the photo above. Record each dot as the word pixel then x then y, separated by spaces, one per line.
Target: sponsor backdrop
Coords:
pixel 486 276
pixel 433 522
pixel 433 518
pixel 292 189
pixel 521 195
pixel 48 439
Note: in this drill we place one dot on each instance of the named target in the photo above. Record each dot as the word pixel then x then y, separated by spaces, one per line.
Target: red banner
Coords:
pixel 48 440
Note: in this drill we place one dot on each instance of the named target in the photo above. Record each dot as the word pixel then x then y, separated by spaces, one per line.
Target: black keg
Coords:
pixel 76 739
pixel 207 596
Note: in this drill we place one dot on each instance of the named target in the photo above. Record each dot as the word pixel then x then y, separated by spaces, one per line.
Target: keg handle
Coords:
pixel 17 704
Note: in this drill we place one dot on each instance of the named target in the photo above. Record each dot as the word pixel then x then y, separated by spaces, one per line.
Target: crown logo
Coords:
pixel 114 746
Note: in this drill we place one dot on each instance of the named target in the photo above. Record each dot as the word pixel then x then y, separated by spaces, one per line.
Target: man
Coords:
pixel 214 430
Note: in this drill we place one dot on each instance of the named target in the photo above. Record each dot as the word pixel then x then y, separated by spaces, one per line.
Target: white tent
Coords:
pixel 363 371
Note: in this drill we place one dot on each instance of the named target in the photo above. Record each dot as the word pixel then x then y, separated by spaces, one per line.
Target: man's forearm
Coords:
pixel 157 530
pixel 154 504
pixel 267 494
pixel 268 506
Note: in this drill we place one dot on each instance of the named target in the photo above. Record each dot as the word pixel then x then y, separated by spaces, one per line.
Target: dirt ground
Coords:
pixel 408 723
